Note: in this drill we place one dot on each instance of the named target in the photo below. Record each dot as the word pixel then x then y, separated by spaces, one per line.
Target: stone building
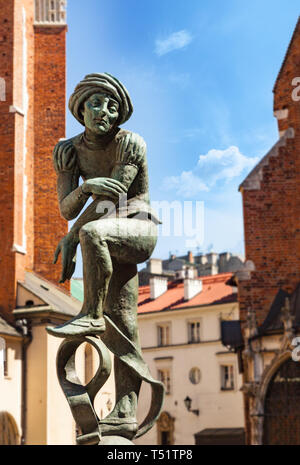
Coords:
pixel 268 286
pixel 180 331
pixel 33 409
pixel 190 265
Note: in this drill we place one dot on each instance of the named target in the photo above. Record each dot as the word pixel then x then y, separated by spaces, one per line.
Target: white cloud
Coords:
pixel 215 166
pixel 174 41
pixel 186 185
pixel 223 164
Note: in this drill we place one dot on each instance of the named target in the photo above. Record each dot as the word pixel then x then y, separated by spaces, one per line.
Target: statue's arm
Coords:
pixel 71 202
pixel 71 197
pixel 131 152
pixel 94 211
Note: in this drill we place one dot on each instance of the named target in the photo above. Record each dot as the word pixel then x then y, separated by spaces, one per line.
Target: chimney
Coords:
pixel 212 258
pixel 192 287
pixel 190 272
pixel 158 286
pixel 190 256
pixel 155 266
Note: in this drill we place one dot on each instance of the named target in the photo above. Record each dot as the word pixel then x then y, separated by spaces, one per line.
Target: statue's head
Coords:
pixel 100 103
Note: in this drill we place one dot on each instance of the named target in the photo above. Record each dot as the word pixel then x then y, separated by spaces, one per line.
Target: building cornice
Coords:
pixel 181 344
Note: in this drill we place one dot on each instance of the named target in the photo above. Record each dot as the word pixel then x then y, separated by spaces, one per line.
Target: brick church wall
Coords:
pixel 271 205
pixel 32 62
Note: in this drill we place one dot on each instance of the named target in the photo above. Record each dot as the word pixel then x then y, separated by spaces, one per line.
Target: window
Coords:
pixel 165 438
pixel 227 377
pixel 195 375
pixel 193 331
pixel 165 377
pixel 163 335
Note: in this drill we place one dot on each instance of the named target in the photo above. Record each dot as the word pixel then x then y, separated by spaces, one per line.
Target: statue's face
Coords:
pixel 100 113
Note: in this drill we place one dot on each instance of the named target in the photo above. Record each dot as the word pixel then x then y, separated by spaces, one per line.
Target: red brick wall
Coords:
pixel 272 231
pixel 49 122
pixel 272 211
pixel 16 149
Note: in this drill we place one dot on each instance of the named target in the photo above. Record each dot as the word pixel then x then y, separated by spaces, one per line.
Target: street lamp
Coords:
pixel 188 404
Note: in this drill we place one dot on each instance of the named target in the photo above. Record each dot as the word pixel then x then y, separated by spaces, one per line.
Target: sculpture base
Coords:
pixel 114 441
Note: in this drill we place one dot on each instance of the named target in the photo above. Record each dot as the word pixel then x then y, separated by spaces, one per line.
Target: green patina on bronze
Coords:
pixel 116 231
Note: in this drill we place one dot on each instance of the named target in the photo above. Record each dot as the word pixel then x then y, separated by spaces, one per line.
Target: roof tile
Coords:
pixel 214 291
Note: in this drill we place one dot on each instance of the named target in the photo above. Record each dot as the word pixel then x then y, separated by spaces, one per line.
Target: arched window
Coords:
pixel 165 429
pixel 9 435
pixel 88 363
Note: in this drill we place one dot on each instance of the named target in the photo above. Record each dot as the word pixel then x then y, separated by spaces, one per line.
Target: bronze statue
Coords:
pixel 116 231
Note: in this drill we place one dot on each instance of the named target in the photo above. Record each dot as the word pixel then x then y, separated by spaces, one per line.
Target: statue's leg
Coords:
pixel 97 271
pixel 129 242
pixel 121 307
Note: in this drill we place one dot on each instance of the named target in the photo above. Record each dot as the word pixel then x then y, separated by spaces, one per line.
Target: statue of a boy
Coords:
pixel 116 231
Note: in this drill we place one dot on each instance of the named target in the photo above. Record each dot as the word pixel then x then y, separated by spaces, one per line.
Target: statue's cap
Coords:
pixel 100 82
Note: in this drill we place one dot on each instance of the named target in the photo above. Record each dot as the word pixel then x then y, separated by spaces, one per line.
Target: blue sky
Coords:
pixel 200 74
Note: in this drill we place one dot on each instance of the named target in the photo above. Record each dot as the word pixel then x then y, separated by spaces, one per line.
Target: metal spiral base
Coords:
pixel 81 398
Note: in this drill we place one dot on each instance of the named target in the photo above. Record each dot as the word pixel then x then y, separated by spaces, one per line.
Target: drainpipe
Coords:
pixel 27 338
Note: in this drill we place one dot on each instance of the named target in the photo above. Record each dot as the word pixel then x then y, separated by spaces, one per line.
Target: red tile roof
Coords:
pixel 214 291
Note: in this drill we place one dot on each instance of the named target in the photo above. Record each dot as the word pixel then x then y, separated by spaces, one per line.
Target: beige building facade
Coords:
pixel 182 346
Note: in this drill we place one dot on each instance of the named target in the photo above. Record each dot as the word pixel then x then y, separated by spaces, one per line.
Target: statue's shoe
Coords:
pixel 78 326
pixel 125 427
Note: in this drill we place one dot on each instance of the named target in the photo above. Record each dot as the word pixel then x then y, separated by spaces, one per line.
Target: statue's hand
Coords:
pixel 104 186
pixel 67 247
pixel 64 156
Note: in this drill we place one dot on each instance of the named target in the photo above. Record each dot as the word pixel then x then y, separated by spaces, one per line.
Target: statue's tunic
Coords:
pixel 109 160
